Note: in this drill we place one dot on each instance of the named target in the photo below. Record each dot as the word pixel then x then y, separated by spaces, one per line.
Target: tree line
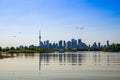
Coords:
pixel 112 48
pixel 25 50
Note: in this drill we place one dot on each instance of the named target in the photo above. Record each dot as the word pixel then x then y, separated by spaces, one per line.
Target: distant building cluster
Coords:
pixel 73 44
pixel 95 45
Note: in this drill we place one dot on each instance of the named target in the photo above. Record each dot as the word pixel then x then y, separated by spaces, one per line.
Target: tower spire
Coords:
pixel 39 38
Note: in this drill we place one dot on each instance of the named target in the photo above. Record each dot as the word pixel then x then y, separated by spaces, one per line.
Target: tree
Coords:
pixel 7 49
pixel 0 48
pixel 17 48
pixel 113 48
pixel 118 46
pixel 26 47
pixel 12 48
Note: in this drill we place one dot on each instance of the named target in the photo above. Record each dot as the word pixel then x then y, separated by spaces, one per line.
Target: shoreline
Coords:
pixel 4 56
pixel 46 51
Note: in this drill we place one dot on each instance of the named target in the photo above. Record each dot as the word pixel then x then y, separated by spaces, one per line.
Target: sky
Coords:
pixel 89 20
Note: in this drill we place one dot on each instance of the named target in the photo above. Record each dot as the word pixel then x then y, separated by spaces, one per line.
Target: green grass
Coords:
pixel 30 51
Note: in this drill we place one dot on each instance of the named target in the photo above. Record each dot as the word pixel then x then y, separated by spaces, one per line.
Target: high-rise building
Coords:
pixel 94 45
pixel 74 44
pixel 79 41
pixel 99 45
pixel 64 45
pixel 54 46
pixel 60 44
pixel 69 45
pixel 46 44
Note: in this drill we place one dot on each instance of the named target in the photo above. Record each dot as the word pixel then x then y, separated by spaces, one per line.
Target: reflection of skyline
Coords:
pixel 77 59
pixel 61 59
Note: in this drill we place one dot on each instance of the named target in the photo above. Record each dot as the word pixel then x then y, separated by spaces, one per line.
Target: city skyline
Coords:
pixel 66 45
pixel 62 43
pixel 73 44
pixel 92 21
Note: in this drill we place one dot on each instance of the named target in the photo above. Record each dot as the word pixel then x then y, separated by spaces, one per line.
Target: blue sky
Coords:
pixel 21 20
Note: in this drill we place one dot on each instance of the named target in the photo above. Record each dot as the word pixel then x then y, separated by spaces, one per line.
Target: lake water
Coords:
pixel 61 66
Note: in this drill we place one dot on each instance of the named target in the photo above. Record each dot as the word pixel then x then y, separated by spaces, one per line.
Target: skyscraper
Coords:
pixel 94 45
pixel 99 45
pixel 74 44
pixel 60 44
pixel 79 41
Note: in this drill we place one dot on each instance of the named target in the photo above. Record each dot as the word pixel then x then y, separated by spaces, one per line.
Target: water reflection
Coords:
pixel 26 55
pixel 67 66
pixel 78 59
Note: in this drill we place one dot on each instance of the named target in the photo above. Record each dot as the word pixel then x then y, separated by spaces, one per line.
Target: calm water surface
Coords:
pixel 65 66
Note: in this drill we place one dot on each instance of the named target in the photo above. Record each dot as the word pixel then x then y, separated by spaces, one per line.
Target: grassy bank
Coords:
pixel 10 53
pixel 29 51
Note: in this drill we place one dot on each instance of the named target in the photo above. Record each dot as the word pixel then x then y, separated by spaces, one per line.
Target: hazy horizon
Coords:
pixel 92 21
